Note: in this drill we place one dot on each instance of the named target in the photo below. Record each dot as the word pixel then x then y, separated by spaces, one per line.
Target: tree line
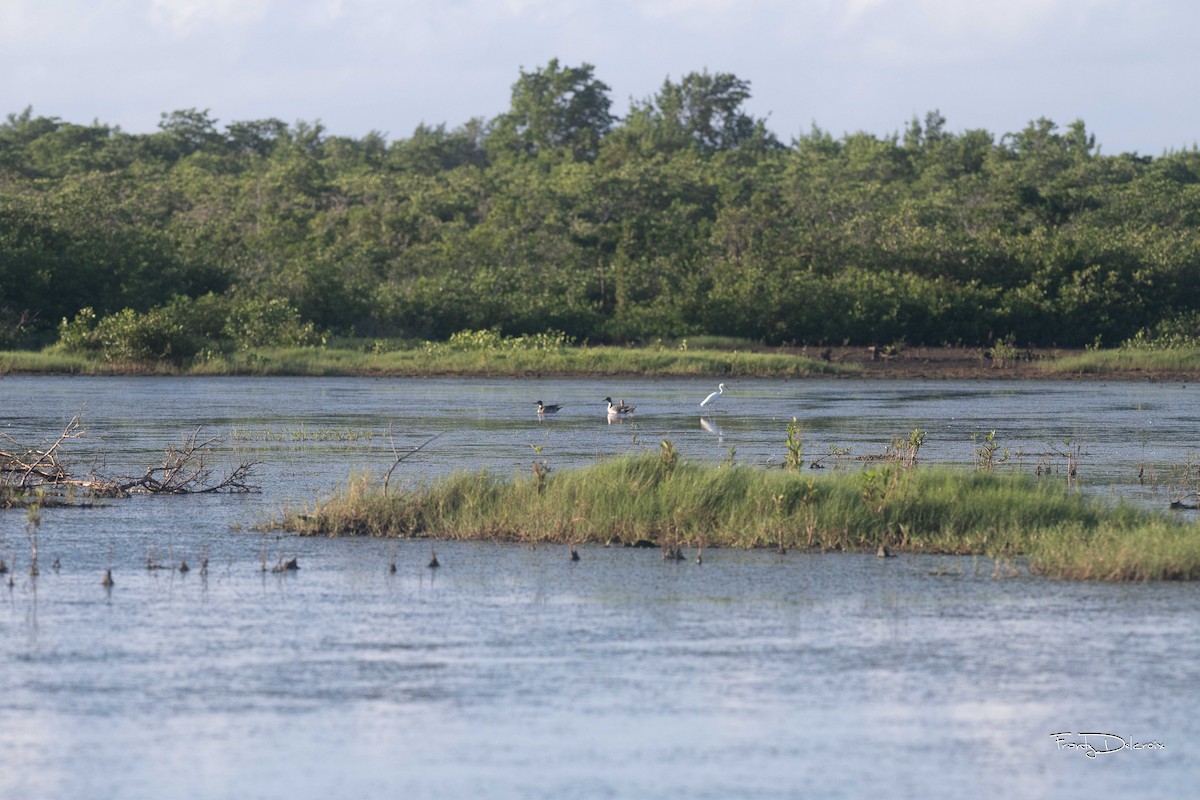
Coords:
pixel 686 216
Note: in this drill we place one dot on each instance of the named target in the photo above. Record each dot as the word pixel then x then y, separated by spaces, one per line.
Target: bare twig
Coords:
pixel 400 458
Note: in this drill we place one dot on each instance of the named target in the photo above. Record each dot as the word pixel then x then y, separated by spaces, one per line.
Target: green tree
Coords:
pixel 556 109
pixel 702 111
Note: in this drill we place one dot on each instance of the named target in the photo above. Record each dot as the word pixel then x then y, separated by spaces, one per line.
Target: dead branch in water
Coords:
pixel 26 468
pixel 184 470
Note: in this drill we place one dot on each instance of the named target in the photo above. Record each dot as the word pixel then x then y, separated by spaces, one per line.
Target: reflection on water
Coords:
pixel 512 671
pixel 710 425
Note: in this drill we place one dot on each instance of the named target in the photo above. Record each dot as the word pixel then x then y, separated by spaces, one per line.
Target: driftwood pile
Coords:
pixel 183 470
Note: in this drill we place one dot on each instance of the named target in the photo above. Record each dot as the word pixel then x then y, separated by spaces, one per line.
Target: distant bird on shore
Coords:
pixel 619 409
pixel 714 396
pixel 550 409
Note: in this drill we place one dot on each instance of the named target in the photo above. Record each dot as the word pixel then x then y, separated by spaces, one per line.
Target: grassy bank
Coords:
pixel 713 359
pixel 437 360
pixel 660 500
pixel 564 361
pixel 19 362
pixel 1174 361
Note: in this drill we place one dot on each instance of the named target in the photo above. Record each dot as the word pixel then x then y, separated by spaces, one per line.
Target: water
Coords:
pixel 511 672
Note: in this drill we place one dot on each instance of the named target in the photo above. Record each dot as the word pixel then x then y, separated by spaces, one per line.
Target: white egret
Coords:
pixel 550 409
pixel 712 397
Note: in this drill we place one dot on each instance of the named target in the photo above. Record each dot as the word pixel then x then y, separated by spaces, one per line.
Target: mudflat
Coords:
pixel 967 363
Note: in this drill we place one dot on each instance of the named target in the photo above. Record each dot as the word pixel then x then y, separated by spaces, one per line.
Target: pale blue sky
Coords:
pixel 1128 68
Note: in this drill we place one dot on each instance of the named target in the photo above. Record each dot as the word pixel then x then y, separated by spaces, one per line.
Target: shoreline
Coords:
pixel 952 363
pixel 842 363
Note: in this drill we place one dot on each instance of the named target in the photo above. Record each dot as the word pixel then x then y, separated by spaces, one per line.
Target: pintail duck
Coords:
pixel 618 409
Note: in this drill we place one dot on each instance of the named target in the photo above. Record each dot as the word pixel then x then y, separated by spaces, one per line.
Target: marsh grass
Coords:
pixel 700 356
pixel 670 502
pixel 1158 549
pixel 444 360
pixel 570 360
pixel 1124 361
pixel 55 362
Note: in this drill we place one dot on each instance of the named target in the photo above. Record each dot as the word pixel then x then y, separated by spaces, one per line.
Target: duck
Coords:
pixel 548 409
pixel 618 409
pixel 714 396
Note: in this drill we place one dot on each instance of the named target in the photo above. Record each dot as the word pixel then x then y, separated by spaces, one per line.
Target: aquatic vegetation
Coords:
pixel 1159 549
pixel 905 450
pixel 1070 452
pixel 33 524
pixel 988 453
pixel 795 445
pixel 1004 353
pixel 541 469
pixel 303 433
pixel 664 500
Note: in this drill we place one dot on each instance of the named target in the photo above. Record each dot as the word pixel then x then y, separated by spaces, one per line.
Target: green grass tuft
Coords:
pixel 673 503
pixel 1125 361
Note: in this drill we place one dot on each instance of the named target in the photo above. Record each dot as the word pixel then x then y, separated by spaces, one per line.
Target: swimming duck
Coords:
pixel 618 409
pixel 550 409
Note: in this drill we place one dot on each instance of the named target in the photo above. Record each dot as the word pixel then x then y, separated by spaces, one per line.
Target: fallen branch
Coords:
pixel 34 467
pixel 183 470
pixel 1188 501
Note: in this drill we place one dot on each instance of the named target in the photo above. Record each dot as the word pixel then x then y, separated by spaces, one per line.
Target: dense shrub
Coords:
pixel 184 328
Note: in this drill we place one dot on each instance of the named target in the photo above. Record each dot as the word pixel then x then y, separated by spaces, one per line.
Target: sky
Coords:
pixel 1127 68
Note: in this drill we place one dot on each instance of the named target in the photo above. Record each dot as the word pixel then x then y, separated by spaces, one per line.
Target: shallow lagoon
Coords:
pixel 511 672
